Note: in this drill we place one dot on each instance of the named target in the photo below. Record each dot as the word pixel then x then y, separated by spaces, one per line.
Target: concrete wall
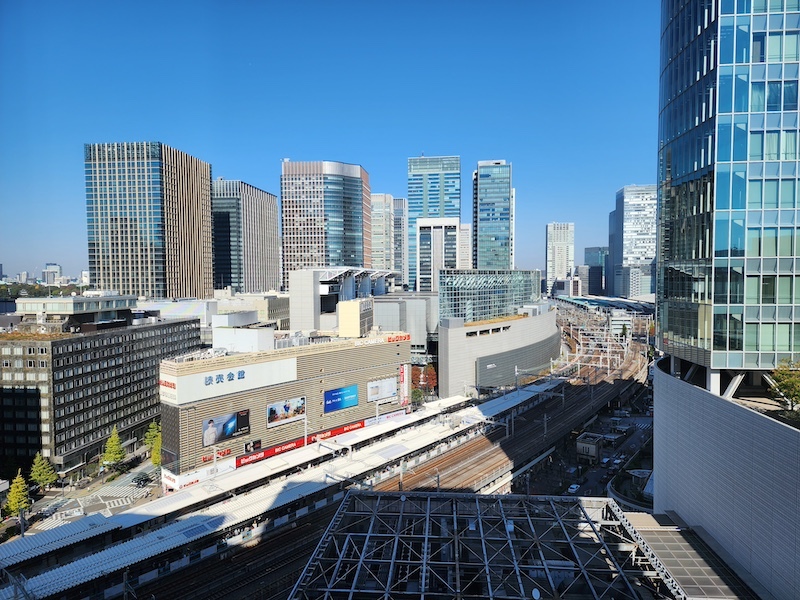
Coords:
pixel 526 343
pixel 735 475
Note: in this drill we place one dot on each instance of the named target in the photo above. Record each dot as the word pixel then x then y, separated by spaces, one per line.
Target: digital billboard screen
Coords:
pixel 225 427
pixel 279 413
pixel 381 389
pixel 341 398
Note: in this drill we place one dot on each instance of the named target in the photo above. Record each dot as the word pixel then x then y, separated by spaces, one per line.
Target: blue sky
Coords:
pixel 566 91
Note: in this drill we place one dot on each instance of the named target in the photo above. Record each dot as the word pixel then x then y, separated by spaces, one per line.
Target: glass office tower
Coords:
pixel 326 215
pixel 434 190
pixel 728 221
pixel 492 216
pixel 148 212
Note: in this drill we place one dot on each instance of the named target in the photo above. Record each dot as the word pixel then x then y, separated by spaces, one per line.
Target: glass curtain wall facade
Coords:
pixel 492 216
pixel 434 190
pixel 400 211
pixel 632 241
pixel 246 238
pixel 326 214
pixel 729 241
pixel 148 209
pixel 480 294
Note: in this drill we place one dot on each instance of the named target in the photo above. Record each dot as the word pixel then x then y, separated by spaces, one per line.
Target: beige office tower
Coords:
pixel 383 233
pixel 149 220
pixel 326 216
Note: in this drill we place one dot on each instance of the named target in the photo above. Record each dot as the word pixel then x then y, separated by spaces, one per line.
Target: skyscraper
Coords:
pixel 400 211
pixel 727 288
pixel 438 248
pixel 434 190
pixel 51 273
pixel 149 220
pixel 247 246
pixel 492 216
pixel 326 215
pixel 383 236
pixel 632 242
pixel 559 252
pixel 595 258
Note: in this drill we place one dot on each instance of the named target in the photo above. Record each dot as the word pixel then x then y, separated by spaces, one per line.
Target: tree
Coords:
pixel 155 451
pixel 624 330
pixel 18 495
pixel 114 452
pixel 42 472
pixel 151 435
pixel 787 380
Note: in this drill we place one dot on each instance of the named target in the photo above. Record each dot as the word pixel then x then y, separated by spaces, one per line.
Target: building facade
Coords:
pixel 77 366
pixel 400 210
pixel 726 292
pixel 479 295
pixel 559 252
pixel 595 256
pixel 437 248
pixel 51 273
pixel 383 234
pixel 247 245
pixel 247 407
pixel 492 216
pixel 632 242
pixel 148 209
pixel 434 190
pixel 326 215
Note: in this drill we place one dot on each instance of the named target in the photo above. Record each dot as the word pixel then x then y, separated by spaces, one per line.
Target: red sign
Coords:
pixel 168 384
pixel 220 454
pixel 294 444
pixel 399 338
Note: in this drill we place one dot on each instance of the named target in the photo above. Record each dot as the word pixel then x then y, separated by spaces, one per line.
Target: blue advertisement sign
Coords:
pixel 341 398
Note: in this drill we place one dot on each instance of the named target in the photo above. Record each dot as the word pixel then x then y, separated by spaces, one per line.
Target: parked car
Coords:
pixel 573 489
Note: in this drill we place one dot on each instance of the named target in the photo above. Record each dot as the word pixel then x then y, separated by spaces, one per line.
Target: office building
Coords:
pixel 492 216
pixel 595 258
pixel 434 191
pixel 247 247
pixel 438 246
pixel 632 242
pixel 383 234
pixel 582 273
pixel 481 294
pixel 727 281
pixel 148 209
pixel 400 210
pixel 76 366
pixel 559 252
pixel 326 215
pixel 464 246
pixel 51 273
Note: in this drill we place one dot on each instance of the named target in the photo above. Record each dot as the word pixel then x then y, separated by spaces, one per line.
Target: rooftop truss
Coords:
pixel 443 545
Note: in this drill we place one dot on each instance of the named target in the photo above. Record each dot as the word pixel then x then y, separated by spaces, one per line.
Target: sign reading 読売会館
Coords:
pixel 221 381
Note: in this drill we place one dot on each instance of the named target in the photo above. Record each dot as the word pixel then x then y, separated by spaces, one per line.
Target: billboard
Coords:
pixel 382 388
pixel 279 413
pixel 341 398
pixel 225 427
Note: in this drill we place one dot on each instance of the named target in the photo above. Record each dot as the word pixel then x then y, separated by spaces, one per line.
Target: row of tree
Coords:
pixel 44 475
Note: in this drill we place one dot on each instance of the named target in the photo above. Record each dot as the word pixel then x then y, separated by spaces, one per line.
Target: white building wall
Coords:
pixel 732 474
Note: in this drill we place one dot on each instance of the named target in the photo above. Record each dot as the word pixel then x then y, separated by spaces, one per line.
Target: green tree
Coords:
pixel 18 495
pixel 153 432
pixel 42 472
pixel 114 452
pixel 155 451
pixel 787 380
pixel 624 330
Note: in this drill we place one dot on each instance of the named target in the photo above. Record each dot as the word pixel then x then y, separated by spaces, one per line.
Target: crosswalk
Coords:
pixel 644 426
pixel 123 491
pixel 117 502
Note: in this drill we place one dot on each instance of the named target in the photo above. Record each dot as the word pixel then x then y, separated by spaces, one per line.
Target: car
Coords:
pixel 573 489
pixel 141 480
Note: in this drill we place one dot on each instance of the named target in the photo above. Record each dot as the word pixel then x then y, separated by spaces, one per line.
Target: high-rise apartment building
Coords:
pixel 326 215
pixel 632 242
pixel 727 294
pixel 247 246
pixel 149 220
pixel 492 216
pixel 400 212
pixel 434 191
pixel 559 252
pixel 383 235
pixel 438 248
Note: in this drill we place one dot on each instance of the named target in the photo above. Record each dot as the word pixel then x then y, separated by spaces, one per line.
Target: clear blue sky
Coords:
pixel 566 91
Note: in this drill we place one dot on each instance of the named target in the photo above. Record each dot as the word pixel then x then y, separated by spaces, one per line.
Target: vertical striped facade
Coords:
pixel 149 220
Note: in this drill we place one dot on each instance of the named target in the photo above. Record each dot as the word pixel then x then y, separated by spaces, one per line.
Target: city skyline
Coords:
pixel 51 106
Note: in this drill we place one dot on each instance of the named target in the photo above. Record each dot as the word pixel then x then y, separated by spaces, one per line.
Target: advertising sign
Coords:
pixel 383 388
pixel 226 427
pixel 341 398
pixel 279 413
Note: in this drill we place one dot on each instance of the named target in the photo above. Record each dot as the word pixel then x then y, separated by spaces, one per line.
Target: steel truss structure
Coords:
pixel 438 546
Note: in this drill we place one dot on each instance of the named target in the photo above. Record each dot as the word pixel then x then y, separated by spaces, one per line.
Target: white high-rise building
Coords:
pixel 632 242
pixel 560 252
pixel 400 211
pixel 465 246
pixel 383 235
pixel 438 245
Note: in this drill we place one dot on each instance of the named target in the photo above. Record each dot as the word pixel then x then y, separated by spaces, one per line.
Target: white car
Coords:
pixel 573 489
